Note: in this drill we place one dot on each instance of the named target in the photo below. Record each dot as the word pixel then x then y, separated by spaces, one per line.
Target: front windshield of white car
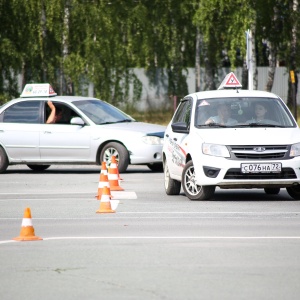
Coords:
pixel 101 112
pixel 242 112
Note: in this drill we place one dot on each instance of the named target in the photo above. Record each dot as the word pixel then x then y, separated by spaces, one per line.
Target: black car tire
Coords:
pixel 272 191
pixel 192 190
pixel 172 187
pixel 294 192
pixel 119 151
pixel 157 167
pixel 3 160
pixel 38 168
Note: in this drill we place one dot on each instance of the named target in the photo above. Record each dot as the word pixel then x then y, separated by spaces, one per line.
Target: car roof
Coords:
pixel 66 99
pixel 230 93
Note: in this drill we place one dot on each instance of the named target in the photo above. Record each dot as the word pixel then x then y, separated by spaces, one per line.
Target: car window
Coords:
pixel 183 112
pixel 246 111
pixel 101 112
pixel 67 113
pixel 22 112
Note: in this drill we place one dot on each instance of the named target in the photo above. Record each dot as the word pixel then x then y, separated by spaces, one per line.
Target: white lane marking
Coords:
pixel 165 238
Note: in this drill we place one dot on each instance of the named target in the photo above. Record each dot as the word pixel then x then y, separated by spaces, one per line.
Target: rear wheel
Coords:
pixel 294 192
pixel 3 160
pixel 172 186
pixel 191 189
pixel 38 168
pixel 272 191
pixel 120 153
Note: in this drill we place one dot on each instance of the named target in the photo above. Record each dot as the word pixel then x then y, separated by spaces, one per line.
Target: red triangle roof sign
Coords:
pixel 230 81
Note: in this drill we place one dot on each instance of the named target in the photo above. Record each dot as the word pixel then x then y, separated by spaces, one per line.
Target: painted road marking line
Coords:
pixel 165 238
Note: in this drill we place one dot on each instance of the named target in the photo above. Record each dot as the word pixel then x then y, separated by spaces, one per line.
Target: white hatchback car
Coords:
pixel 231 138
pixel 89 131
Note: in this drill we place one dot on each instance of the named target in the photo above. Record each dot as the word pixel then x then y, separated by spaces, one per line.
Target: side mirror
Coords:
pixel 77 121
pixel 180 127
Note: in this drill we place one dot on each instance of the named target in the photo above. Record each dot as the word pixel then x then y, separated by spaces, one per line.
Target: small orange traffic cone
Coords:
pixel 103 181
pixel 105 206
pixel 113 176
pixel 27 230
pixel 114 160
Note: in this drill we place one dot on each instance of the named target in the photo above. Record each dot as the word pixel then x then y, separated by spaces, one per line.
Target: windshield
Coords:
pixel 101 112
pixel 242 112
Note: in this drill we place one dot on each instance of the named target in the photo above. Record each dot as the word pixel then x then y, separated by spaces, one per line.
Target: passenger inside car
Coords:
pixel 261 115
pixel 55 114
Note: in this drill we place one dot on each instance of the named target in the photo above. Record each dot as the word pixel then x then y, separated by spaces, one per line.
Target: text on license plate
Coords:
pixel 261 168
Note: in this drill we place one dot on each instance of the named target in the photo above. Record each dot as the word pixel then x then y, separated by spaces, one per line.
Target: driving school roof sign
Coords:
pixel 38 90
pixel 230 81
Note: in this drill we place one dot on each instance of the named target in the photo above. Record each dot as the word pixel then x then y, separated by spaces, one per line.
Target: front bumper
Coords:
pixel 226 173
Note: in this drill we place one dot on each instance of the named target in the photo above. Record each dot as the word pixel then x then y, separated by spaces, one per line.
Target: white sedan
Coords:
pixel 89 131
pixel 233 139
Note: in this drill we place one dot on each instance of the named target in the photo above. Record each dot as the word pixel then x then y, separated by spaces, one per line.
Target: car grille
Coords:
pixel 259 152
pixel 235 174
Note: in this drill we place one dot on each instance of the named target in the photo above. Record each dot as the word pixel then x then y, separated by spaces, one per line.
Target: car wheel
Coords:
pixel 120 153
pixel 172 186
pixel 294 192
pixel 272 191
pixel 191 189
pixel 38 168
pixel 3 160
pixel 157 167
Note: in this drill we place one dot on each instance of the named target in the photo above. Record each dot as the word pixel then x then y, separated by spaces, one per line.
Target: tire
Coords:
pixel 272 191
pixel 119 151
pixel 172 187
pixel 38 168
pixel 157 167
pixel 191 189
pixel 294 192
pixel 3 160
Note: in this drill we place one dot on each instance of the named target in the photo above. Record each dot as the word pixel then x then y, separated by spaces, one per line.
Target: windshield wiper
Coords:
pixel 213 125
pixel 114 122
pixel 260 125
pixel 125 120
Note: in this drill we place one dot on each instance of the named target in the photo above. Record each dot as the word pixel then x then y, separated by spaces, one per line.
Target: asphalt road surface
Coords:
pixel 240 245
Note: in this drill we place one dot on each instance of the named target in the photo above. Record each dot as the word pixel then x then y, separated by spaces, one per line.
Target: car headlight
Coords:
pixel 215 150
pixel 295 150
pixel 152 140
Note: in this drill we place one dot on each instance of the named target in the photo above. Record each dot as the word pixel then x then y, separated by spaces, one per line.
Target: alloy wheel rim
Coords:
pixel 190 182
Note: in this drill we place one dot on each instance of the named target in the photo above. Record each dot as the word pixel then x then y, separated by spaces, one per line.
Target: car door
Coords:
pixel 19 130
pixel 63 141
pixel 176 155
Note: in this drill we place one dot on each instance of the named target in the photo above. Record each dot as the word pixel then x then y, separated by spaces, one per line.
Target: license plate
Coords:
pixel 261 168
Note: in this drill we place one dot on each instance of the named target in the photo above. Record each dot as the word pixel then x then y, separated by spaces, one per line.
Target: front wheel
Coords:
pixel 120 153
pixel 294 192
pixel 172 187
pixel 38 168
pixel 191 189
pixel 3 160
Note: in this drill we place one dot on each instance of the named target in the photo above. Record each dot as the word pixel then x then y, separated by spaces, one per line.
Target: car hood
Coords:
pixel 250 136
pixel 139 127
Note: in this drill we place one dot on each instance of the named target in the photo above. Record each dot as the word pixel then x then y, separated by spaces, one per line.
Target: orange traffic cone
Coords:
pixel 27 230
pixel 103 181
pixel 114 160
pixel 105 206
pixel 113 176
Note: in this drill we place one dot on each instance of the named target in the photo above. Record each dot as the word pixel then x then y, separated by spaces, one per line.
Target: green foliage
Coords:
pixel 101 41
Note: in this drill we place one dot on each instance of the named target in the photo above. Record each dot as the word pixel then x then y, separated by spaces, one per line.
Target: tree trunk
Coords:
pixel 197 60
pixel 272 67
